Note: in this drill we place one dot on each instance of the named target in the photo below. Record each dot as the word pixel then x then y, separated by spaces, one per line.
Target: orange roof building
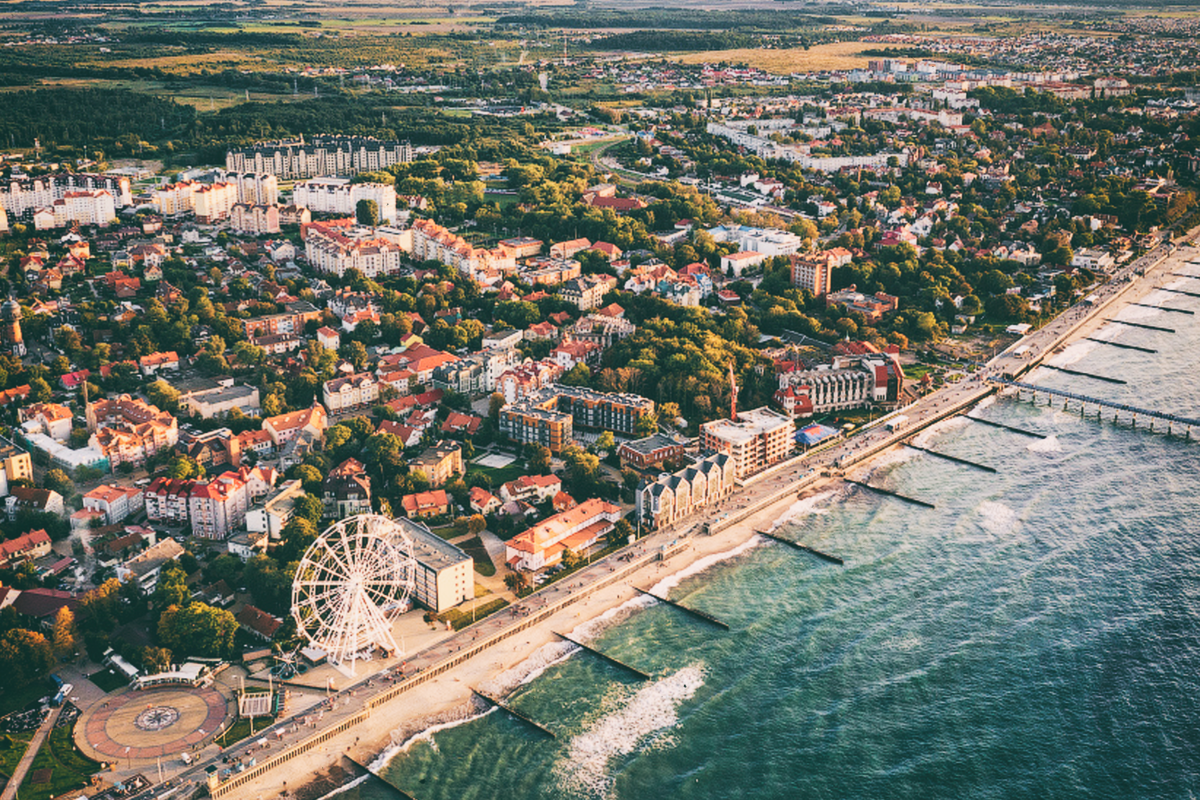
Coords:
pixel 576 529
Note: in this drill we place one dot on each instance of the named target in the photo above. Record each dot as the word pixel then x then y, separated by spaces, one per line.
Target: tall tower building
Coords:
pixel 10 327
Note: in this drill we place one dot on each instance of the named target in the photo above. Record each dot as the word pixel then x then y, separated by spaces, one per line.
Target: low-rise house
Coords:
pixel 286 427
pixel 27 498
pixel 434 503
pixel 351 392
pixel 258 623
pixel 146 566
pixel 651 451
pixel 275 510
pixel 482 501
pixel 465 424
pixel 26 547
pixel 347 490
pixel 531 488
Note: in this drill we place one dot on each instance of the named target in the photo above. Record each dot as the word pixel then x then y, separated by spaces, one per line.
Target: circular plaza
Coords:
pixel 145 724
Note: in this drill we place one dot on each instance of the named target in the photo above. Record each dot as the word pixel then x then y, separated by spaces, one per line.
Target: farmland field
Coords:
pixel 837 55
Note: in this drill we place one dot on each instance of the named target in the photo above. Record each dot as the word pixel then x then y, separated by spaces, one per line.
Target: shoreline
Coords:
pixel 447 698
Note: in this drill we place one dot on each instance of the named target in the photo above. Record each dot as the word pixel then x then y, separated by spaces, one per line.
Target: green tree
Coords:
pixel 539 459
pixel 184 467
pixel 647 425
pixel 99 608
pixel 171 588
pixel 58 481
pixel 310 477
pixel 605 441
pixel 39 390
pixel 476 524
pixel 198 630
pixel 156 659
pixel 578 375
pixel 163 395
pixel 367 212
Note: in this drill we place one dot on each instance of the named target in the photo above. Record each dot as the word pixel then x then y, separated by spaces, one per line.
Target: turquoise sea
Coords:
pixel 1036 635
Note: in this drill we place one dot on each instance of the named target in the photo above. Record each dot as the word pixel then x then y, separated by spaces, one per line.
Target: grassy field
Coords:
pixel 838 55
pixel 500 475
pixel 241 729
pixel 12 747
pixel 69 769
pixel 475 549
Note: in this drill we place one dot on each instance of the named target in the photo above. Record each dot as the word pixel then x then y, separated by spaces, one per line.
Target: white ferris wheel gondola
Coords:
pixel 350 582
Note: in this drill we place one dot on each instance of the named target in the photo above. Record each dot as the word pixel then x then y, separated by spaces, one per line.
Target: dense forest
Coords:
pixel 117 121
pixel 82 116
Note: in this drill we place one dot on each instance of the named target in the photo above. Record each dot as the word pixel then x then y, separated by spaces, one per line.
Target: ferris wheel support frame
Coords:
pixel 356 571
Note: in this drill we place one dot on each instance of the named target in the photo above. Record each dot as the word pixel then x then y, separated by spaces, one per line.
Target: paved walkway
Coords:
pixel 35 744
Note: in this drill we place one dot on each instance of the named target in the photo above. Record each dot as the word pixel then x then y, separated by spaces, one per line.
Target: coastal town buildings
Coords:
pixel 754 439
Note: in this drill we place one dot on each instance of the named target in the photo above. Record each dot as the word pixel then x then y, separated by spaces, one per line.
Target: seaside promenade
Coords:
pixel 300 735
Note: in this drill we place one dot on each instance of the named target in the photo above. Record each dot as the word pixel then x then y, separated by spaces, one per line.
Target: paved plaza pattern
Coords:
pixel 142 724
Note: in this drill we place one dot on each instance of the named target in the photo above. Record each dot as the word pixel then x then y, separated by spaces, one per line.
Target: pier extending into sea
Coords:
pixel 1172 420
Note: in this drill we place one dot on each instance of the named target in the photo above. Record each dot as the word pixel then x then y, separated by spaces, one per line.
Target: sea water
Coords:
pixel 1037 634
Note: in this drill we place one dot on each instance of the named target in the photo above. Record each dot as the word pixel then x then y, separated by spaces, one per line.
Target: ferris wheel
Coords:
pixel 352 580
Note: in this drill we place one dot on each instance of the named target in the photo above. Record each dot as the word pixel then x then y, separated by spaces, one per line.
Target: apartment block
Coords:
pixel 755 439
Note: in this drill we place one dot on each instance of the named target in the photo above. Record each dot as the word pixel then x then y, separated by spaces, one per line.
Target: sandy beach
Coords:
pixel 448 698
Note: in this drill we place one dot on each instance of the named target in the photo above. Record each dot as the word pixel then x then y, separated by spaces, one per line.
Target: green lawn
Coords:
pixel 69 769
pixel 475 549
pixel 459 620
pixel 241 729
pixel 107 680
pixel 499 475
pixel 12 747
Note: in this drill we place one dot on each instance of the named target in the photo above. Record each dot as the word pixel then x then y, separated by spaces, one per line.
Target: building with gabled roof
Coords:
pixel 434 503
pixel 146 566
pixel 700 485
pixel 258 623
pixel 576 529
pixel 286 427
pixel 347 490
pixel 26 547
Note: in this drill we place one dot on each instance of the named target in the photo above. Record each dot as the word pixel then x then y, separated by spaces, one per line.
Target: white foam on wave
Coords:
pixel 897 455
pixel 637 725
pixel 1132 313
pixel 1072 353
pixel 426 735
pixel 530 668
pixel 985 402
pixel 346 787
pixel 1048 445
pixel 668 583
pixel 948 424
pixel 997 518
pixel 805 507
